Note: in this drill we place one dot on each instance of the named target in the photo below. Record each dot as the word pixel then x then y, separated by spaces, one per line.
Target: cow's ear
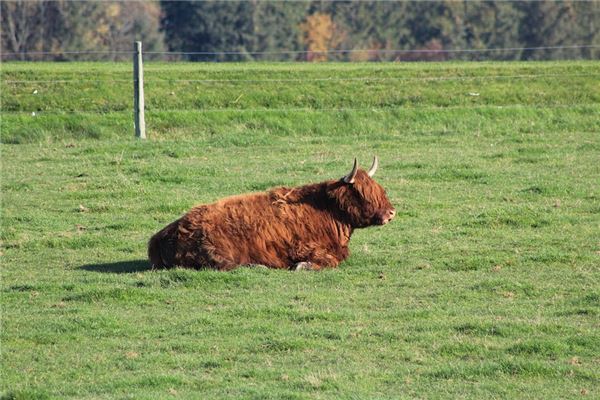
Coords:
pixel 350 177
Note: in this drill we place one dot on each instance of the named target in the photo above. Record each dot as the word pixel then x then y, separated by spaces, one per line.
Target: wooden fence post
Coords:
pixel 138 92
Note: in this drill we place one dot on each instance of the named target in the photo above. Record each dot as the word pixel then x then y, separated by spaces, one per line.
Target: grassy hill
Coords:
pixel 486 285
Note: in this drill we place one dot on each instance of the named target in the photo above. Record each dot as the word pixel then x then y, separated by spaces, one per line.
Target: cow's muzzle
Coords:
pixel 385 216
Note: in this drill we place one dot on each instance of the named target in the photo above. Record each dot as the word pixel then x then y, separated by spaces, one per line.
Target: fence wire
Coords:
pixel 376 51
pixel 283 80
pixel 381 109
pixel 152 81
pixel 295 52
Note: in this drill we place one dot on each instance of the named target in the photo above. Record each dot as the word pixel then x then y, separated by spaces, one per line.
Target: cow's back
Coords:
pixel 238 230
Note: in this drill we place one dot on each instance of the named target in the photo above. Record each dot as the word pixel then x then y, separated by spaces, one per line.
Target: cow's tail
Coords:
pixel 163 246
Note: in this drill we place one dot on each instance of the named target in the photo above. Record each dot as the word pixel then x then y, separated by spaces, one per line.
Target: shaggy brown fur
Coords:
pixel 308 225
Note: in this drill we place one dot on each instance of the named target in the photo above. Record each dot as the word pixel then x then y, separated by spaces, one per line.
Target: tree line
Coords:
pixel 301 30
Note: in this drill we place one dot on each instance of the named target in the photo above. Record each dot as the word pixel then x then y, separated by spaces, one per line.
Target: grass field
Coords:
pixel 486 285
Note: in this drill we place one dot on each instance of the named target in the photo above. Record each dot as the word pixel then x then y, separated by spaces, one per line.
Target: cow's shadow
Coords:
pixel 119 267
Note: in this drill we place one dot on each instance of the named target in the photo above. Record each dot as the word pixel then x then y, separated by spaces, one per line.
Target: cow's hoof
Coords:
pixel 304 266
pixel 257 266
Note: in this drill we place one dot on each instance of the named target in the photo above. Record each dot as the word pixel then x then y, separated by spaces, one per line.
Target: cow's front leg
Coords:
pixel 306 266
pixel 314 256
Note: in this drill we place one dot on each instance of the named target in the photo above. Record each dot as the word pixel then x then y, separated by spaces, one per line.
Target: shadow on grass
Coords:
pixel 119 267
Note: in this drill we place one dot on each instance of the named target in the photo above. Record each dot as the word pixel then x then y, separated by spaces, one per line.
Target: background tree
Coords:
pixel 233 26
pixel 64 26
pixel 320 34
pixel 373 26
pixel 557 23
pixel 209 26
pixel 588 20
pixel 267 30
pixel 23 28
pixel 484 25
pixel 277 28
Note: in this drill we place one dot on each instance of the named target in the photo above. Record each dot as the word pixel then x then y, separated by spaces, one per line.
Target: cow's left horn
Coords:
pixel 373 167
pixel 350 177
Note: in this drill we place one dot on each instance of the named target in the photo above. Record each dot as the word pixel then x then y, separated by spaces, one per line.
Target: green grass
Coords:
pixel 486 285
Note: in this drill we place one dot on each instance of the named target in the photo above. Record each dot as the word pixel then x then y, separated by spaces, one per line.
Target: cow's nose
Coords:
pixel 391 214
pixel 388 216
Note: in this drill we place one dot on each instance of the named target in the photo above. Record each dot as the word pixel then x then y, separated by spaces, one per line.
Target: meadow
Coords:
pixel 486 284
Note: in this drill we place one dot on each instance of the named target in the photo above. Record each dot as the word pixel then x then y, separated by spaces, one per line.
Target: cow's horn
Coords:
pixel 373 167
pixel 350 177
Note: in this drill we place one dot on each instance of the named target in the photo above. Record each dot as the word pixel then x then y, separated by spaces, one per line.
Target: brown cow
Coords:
pixel 306 227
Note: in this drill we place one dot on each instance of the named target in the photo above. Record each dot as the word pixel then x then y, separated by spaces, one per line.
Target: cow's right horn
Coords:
pixel 373 167
pixel 350 177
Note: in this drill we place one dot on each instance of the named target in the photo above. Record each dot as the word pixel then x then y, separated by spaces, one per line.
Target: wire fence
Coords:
pixel 576 51
pixel 283 80
pixel 160 80
pixel 333 51
pixel 329 110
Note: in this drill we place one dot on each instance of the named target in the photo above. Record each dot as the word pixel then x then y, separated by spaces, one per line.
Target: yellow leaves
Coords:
pixel 113 10
pixel 103 29
pixel 320 34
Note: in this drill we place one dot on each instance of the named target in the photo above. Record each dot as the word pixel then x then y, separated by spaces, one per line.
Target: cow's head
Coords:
pixel 361 199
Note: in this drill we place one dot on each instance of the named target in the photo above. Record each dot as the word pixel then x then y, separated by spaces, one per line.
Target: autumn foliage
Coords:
pixel 239 30
pixel 320 34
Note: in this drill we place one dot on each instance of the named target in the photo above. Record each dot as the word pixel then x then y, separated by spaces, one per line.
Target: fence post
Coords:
pixel 138 92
